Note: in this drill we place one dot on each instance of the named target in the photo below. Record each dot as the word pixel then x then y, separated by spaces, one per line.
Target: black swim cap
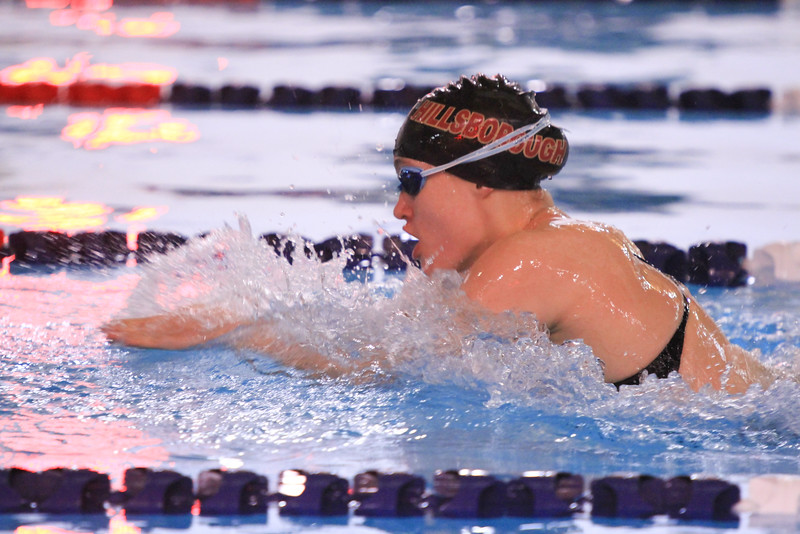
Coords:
pixel 463 116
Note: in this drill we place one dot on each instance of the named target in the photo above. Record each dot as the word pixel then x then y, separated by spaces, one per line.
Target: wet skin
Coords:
pixel 518 252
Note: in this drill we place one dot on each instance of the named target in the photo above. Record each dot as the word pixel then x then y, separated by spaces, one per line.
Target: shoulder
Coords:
pixel 548 269
pixel 522 272
pixel 563 243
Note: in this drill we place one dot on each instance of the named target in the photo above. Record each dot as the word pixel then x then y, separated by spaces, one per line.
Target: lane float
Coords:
pixel 460 493
pixel 400 96
pixel 717 264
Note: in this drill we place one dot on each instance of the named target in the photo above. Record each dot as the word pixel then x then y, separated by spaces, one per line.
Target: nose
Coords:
pixel 402 209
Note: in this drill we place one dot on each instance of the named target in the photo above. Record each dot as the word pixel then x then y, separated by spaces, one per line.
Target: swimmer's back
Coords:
pixel 585 281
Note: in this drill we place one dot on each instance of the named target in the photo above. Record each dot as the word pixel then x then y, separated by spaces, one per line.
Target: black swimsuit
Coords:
pixel 670 358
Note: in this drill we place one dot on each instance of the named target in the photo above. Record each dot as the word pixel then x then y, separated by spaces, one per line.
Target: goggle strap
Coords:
pixel 515 138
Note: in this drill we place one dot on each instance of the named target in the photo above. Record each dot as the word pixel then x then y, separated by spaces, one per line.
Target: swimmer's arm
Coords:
pixel 195 326
pixel 261 338
pixel 181 330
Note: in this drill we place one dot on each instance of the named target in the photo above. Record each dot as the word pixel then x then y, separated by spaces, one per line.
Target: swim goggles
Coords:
pixel 412 179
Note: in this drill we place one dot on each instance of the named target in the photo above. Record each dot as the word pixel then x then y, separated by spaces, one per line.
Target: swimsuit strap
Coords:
pixel 669 359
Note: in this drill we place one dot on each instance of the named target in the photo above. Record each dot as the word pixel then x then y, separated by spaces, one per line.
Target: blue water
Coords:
pixel 503 406
pixel 70 399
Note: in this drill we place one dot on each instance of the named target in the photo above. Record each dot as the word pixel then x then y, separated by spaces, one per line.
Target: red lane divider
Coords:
pixel 99 95
pixel 29 94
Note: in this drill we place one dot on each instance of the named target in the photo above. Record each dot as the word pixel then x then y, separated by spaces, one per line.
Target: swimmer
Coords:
pixel 470 158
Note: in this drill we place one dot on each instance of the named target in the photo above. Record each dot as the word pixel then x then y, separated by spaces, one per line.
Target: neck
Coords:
pixel 504 213
pixel 540 210
pixel 519 210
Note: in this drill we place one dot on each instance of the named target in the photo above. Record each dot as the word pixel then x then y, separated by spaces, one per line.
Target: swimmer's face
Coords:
pixel 443 217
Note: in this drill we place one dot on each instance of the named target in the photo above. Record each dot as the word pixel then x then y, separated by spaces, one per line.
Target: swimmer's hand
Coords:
pixel 176 331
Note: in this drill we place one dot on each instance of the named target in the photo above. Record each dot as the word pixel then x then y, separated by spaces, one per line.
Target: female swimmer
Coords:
pixel 470 158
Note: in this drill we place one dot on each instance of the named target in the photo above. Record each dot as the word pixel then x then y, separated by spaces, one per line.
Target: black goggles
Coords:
pixel 412 180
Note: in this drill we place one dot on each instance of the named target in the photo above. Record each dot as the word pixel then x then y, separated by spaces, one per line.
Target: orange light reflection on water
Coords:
pixel 117 524
pixel 42 70
pixel 53 214
pixel 158 25
pixel 147 73
pixel 46 4
pixel 5 264
pixel 95 5
pixel 161 24
pixel 142 214
pixel 56 215
pixel 44 529
pixel 126 126
pixel 88 15
pixel 25 112
pixel 79 69
pixel 62 378
pixel 135 218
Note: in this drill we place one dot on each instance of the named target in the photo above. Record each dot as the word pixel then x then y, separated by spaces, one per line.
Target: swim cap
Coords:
pixel 463 116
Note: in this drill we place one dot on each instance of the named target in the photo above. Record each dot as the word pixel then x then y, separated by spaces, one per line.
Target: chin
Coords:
pixel 431 266
pixel 427 265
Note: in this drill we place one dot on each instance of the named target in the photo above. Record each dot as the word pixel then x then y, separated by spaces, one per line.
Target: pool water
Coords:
pixel 486 401
pixel 491 399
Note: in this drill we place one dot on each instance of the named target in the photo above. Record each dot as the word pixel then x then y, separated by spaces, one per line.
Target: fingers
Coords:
pixel 122 331
pixel 145 332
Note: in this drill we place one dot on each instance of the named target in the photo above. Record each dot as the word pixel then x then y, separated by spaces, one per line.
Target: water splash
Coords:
pixel 438 372
pixel 421 327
